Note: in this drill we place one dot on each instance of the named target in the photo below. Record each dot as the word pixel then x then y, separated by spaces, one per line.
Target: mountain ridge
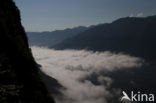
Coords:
pixel 131 35
pixel 48 39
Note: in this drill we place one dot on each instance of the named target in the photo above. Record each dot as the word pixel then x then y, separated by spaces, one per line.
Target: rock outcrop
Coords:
pixel 20 81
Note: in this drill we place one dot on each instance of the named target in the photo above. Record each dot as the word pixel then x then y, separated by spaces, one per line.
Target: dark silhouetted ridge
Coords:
pixel 20 81
pixel 131 35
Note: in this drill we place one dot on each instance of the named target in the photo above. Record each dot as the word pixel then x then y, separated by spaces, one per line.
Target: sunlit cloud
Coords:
pixel 139 14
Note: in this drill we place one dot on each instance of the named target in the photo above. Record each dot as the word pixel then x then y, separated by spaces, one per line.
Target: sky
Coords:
pixel 49 15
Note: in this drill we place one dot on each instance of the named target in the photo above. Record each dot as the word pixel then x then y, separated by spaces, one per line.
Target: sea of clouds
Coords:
pixel 72 68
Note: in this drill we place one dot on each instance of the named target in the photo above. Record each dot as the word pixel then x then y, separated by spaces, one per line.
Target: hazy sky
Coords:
pixel 49 15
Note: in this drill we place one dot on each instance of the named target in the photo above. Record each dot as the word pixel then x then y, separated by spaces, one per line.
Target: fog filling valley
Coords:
pixel 72 68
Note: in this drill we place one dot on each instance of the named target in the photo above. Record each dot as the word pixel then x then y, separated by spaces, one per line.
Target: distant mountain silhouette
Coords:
pixel 132 35
pixel 20 81
pixel 49 39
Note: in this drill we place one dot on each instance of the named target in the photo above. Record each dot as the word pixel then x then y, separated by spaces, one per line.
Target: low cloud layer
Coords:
pixel 72 67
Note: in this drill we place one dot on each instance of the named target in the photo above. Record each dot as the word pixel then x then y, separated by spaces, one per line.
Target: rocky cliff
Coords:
pixel 20 81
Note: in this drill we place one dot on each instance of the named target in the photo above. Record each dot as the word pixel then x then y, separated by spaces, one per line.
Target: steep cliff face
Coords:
pixel 19 78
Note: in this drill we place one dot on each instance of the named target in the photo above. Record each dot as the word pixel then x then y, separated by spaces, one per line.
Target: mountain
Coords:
pixel 20 81
pixel 49 39
pixel 131 35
